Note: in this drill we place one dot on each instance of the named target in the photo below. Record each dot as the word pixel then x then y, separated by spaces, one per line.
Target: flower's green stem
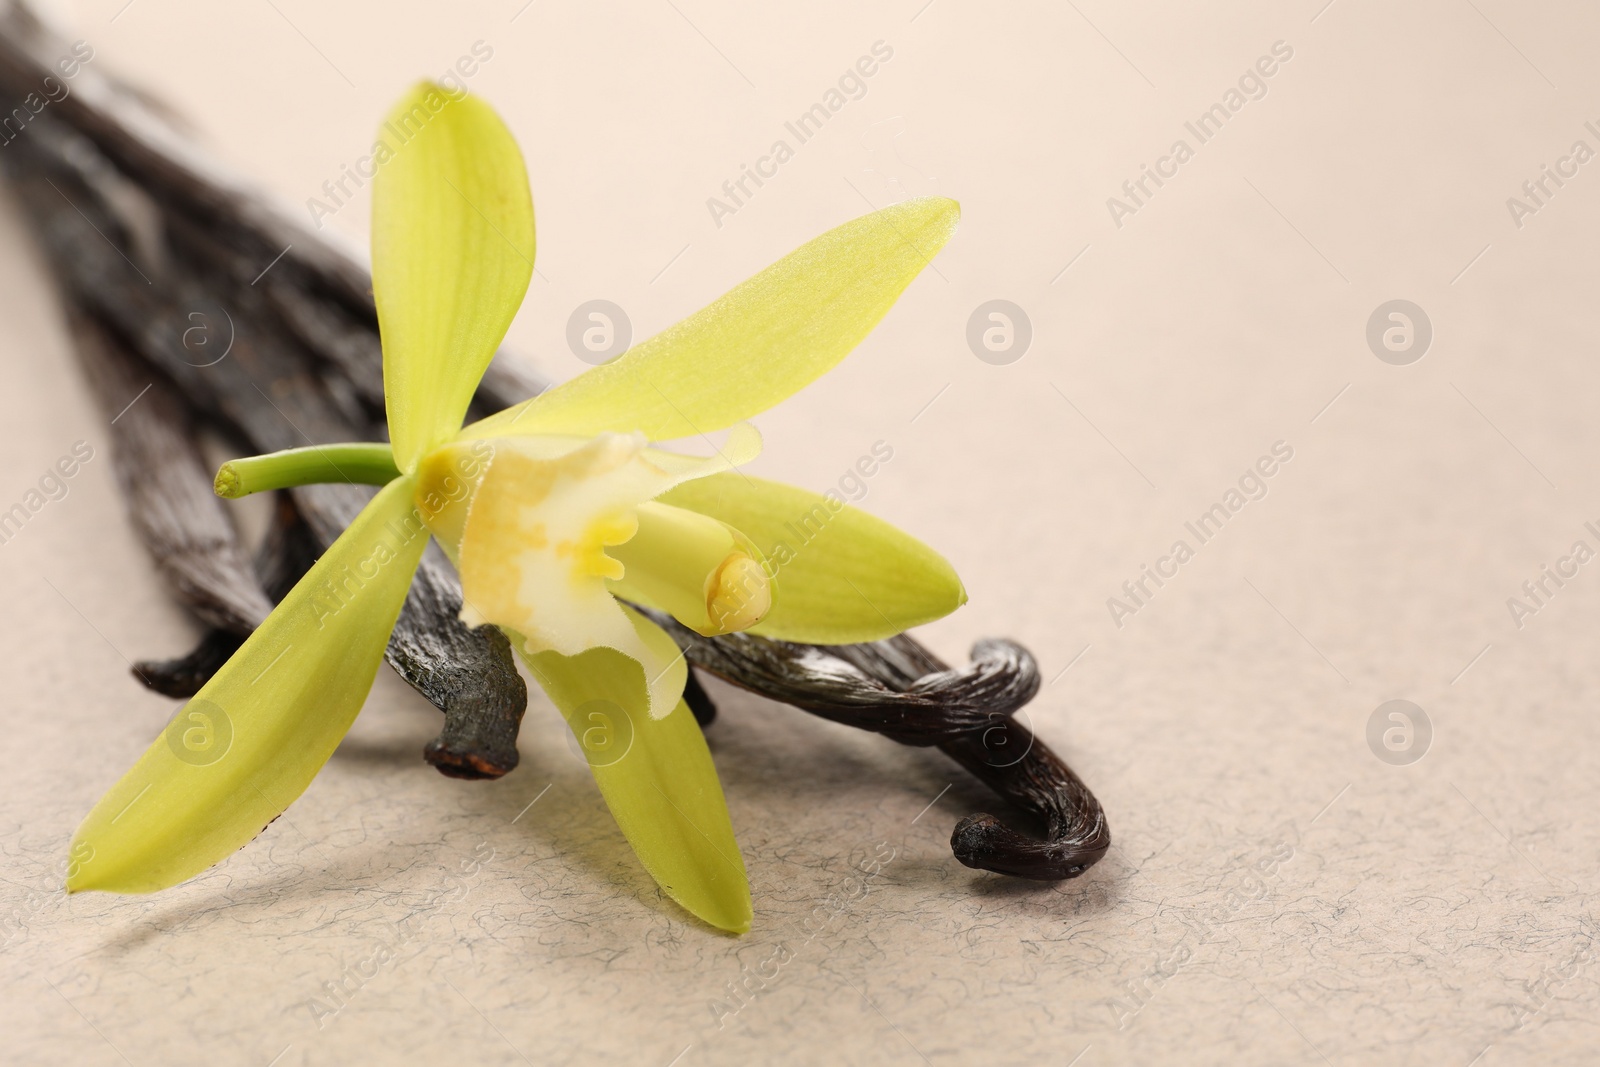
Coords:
pixel 362 463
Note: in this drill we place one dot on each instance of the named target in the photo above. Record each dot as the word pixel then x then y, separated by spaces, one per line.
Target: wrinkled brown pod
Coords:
pixel 153 247
pixel 901 690
pixel 143 231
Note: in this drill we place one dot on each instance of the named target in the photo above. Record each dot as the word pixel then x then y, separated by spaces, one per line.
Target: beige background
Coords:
pixel 1430 913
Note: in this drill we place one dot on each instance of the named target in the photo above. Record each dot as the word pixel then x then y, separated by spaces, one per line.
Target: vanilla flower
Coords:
pixel 559 513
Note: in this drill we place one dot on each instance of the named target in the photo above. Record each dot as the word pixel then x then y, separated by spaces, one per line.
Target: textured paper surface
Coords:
pixel 1276 893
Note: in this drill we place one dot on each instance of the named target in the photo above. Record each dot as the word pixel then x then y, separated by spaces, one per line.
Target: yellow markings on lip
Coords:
pixel 544 535
pixel 589 559
pixel 536 530
pixel 496 534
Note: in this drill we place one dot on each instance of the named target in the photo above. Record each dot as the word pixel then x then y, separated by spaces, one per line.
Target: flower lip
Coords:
pixel 532 522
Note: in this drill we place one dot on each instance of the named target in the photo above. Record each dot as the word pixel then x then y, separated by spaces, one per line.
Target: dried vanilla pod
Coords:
pixel 306 365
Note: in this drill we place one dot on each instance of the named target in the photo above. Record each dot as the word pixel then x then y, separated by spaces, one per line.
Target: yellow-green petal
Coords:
pixel 763 341
pixel 452 252
pixel 846 576
pixel 251 740
pixel 656 776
